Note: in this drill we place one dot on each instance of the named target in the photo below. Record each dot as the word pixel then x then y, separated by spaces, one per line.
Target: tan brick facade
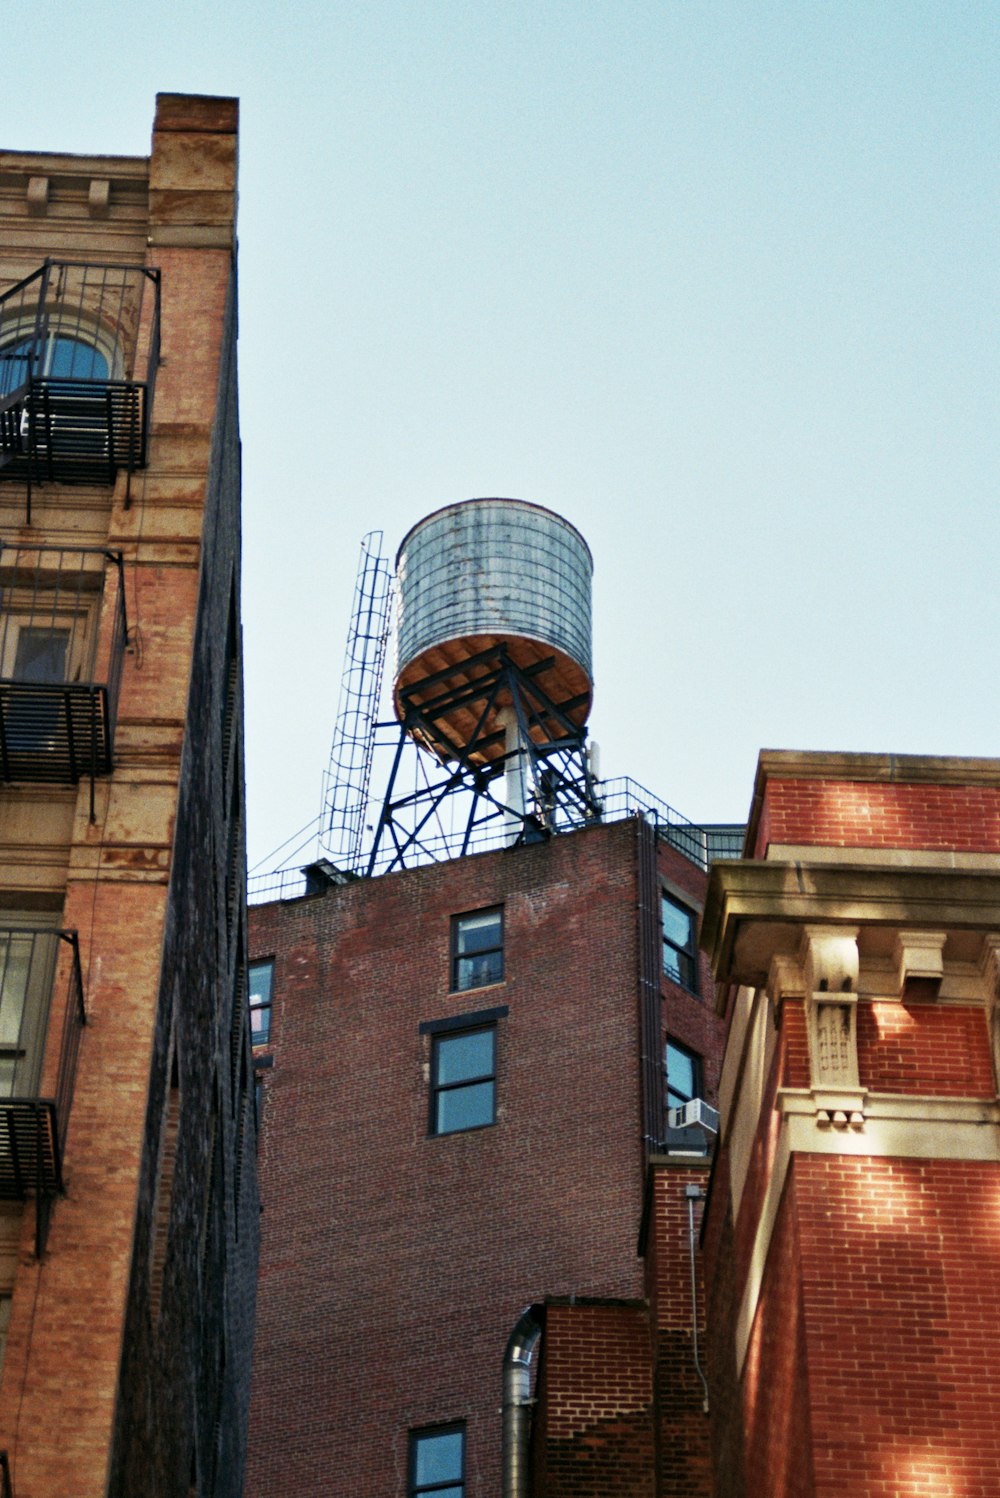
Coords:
pixel 111 877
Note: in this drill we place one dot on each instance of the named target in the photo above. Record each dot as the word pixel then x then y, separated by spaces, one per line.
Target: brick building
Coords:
pixel 462 1076
pixel 852 1239
pixel 128 1206
pixel 850 1248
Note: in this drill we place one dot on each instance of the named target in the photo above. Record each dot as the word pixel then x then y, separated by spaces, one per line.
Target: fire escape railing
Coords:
pixel 39 1050
pixel 79 348
pixel 63 633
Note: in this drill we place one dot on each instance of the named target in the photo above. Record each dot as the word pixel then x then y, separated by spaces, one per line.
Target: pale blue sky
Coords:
pixel 715 281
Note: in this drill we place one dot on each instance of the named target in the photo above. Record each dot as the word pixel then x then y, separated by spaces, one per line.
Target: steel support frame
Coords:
pixel 553 749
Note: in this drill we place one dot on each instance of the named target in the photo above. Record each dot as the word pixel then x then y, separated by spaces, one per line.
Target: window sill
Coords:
pixel 676 983
pixel 461 1133
pixel 456 993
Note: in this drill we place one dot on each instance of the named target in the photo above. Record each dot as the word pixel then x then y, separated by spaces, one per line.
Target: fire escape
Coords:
pixel 63 632
pixel 39 970
pixel 79 346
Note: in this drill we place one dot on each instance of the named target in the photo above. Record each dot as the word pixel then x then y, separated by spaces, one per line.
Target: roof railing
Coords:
pixel 619 799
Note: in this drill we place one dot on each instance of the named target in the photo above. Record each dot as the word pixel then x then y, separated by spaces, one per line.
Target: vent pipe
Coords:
pixel 515 1478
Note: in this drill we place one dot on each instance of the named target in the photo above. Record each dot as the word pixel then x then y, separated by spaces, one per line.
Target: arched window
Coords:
pixel 63 357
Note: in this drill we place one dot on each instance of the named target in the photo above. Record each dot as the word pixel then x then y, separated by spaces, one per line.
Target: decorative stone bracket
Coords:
pixel 990 964
pixel 920 963
pixel 826 975
pixel 829 956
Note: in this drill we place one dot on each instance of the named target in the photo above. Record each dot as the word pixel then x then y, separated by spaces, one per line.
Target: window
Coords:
pixel 260 1001
pixel 40 655
pixel 463 1070
pixel 62 357
pixel 463 1089
pixel 476 949
pixel 680 954
pixel 437 1462
pixel 684 1080
pixel 27 970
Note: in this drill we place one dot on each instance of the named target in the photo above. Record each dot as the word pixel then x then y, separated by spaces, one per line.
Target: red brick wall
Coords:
pixel 742 1421
pixel 925 1050
pixel 759 1170
pixel 721 1305
pixel 682 1427
pixel 900 1265
pixel 794 1045
pixel 912 1048
pixel 594 1431
pixel 878 815
pixel 394 1265
pixel 777 1456
pixel 871 1362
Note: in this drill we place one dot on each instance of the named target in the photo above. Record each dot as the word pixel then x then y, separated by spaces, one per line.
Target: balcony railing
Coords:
pixel 63 631
pixel 79 346
pixel 39 1048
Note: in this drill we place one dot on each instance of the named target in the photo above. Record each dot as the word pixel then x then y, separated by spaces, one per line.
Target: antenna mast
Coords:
pixel 345 785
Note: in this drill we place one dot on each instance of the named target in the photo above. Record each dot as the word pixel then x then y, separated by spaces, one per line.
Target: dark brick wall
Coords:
pixel 394 1265
pixel 594 1429
pixel 721 1308
pixel 683 1468
pixel 184 1385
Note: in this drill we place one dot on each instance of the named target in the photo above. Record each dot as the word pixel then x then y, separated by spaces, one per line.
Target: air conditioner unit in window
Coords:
pixel 695 1114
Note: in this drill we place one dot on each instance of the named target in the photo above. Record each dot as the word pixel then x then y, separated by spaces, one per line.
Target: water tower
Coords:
pixel 493 679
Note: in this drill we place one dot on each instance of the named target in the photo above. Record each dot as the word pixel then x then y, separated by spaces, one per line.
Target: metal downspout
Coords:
pixel 695 1194
pixel 515 1478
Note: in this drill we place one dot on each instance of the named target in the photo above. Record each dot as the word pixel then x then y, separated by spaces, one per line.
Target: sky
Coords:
pixel 715 281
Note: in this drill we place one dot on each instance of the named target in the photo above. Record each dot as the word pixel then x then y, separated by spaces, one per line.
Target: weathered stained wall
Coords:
pixel 395 1264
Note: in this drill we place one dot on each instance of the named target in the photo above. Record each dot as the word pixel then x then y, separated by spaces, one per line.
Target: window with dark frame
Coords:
pixel 684 1075
pixel 437 1462
pixel 680 951
pixel 476 949
pixel 259 981
pixel 463 1070
pixel 463 1080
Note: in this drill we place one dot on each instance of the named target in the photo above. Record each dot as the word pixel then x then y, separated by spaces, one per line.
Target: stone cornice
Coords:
pixel 61 164
pixel 777 899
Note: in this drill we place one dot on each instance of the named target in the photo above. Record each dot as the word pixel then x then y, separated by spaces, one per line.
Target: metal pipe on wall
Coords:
pixel 516 1411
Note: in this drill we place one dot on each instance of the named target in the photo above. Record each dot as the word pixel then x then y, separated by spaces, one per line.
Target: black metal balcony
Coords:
pixel 79 346
pixel 63 631
pixel 39 1048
